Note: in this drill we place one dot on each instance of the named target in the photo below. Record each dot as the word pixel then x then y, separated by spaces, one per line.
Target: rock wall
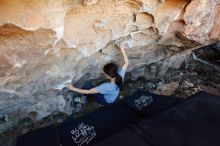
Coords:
pixel 45 43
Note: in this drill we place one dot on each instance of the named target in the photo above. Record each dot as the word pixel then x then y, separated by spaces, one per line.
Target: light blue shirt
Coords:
pixel 110 90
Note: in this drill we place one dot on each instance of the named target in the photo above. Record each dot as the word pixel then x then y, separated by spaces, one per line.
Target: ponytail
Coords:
pixel 111 69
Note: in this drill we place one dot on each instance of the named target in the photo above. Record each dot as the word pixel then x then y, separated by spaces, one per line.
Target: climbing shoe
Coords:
pixel 80 99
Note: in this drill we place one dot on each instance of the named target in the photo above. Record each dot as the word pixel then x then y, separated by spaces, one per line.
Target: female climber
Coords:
pixel 106 93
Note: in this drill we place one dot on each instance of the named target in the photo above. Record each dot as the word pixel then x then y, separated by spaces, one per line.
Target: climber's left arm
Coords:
pixel 82 91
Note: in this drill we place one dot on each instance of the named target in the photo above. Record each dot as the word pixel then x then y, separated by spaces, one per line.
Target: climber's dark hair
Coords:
pixel 111 69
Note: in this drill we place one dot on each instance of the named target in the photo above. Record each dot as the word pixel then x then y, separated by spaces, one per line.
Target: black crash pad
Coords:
pixel 124 137
pixel 97 125
pixel 194 122
pixel 41 137
pixel 148 103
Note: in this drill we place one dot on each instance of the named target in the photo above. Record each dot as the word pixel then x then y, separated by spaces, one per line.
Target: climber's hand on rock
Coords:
pixel 119 45
pixel 69 86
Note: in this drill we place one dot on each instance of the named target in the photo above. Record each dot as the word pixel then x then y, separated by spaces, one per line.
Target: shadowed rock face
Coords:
pixel 45 43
